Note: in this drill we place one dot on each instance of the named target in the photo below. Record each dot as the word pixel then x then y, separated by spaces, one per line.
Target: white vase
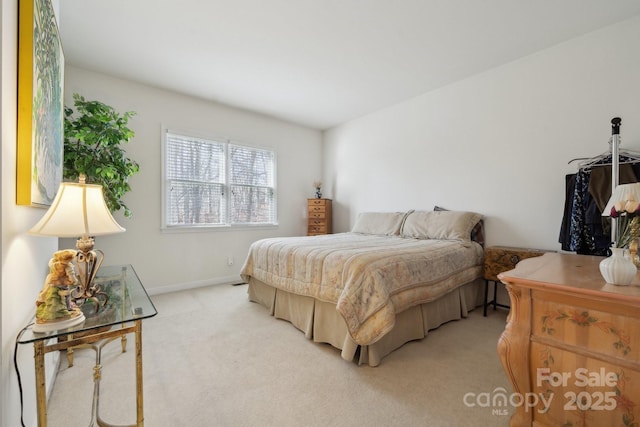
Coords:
pixel 618 269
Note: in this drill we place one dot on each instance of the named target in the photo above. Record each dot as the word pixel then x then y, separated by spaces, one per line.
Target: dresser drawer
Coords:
pixel 317 215
pixel 317 209
pixel 317 202
pixel 605 333
pixel 563 377
pixel 317 229
pixel 498 259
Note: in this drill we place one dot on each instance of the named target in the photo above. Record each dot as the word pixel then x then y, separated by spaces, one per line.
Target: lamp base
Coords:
pixel 58 324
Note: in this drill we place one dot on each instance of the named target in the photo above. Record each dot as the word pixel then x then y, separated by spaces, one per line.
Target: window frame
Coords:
pixel 227 225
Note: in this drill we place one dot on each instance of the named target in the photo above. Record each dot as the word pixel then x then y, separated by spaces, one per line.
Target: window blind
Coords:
pixel 214 182
pixel 251 181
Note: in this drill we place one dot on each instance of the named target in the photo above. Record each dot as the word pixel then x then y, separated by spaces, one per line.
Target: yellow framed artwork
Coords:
pixel 40 104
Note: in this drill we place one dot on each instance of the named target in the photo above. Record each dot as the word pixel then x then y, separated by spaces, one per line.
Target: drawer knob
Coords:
pixel 515 259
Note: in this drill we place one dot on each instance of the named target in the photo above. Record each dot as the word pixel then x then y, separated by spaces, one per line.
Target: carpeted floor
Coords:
pixel 212 358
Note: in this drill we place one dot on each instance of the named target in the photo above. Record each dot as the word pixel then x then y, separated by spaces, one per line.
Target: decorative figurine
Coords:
pixel 318 186
pixel 54 309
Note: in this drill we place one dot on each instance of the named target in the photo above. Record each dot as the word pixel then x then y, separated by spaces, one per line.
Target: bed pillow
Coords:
pixel 477 233
pixel 441 225
pixel 379 223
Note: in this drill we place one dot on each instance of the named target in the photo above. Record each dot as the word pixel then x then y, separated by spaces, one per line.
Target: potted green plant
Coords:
pixel 92 146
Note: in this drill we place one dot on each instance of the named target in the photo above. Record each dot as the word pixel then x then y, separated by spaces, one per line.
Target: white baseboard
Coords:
pixel 227 280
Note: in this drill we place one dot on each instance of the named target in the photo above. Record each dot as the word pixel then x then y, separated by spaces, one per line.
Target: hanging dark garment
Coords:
pixel 580 234
pixel 584 230
pixel 565 227
pixel 600 182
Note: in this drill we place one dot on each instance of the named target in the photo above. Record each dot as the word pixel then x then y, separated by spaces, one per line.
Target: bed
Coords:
pixel 390 280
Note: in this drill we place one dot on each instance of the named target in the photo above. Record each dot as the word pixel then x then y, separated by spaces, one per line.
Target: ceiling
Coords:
pixel 318 63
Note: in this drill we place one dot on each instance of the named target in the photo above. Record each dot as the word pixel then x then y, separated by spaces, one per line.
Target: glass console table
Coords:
pixel 127 306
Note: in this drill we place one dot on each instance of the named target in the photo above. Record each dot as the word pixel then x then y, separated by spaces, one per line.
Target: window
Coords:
pixel 214 182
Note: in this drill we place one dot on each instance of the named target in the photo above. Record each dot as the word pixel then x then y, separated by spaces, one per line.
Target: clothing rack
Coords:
pixel 587 193
pixel 615 165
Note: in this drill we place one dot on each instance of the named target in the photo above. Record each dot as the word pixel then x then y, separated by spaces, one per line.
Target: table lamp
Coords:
pixel 78 210
pixel 622 194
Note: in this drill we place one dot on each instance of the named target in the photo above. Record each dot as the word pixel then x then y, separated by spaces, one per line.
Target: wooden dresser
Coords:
pixel 573 341
pixel 319 217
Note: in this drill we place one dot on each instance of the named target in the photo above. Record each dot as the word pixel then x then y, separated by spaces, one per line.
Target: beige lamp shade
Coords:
pixel 78 210
pixel 621 193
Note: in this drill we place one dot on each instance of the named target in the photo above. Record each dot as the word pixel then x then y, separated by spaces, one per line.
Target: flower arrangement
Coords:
pixel 627 213
pixel 318 186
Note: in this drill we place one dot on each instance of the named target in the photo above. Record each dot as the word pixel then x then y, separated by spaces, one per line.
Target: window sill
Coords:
pixel 216 228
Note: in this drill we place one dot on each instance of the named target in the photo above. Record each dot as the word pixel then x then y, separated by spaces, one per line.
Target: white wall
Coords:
pixel 497 143
pixel 24 258
pixel 168 261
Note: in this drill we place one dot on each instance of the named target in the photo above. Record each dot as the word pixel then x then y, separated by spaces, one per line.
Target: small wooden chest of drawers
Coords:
pixel 319 222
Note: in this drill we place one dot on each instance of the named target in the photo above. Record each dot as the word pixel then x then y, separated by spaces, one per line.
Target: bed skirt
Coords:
pixel 320 321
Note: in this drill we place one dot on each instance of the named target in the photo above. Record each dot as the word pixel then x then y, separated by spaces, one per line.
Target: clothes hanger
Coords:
pixel 605 159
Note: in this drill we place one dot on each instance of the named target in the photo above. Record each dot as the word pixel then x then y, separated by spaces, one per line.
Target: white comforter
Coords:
pixel 369 278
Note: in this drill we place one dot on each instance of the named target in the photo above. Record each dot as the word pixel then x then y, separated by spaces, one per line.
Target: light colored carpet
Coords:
pixel 212 358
